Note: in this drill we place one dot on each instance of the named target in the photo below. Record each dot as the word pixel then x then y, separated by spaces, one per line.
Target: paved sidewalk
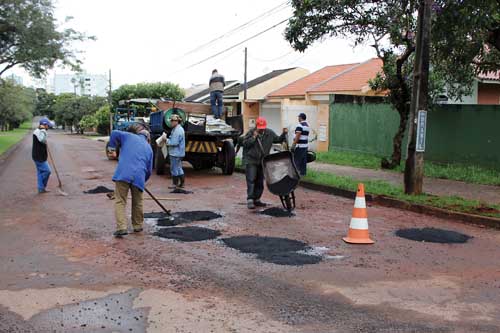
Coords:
pixel 487 193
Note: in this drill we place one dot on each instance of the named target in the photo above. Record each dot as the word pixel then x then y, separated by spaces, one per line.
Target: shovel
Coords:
pixel 158 202
pixel 59 186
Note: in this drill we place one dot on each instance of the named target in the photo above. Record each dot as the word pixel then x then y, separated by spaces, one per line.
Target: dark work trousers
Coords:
pixel 300 158
pixel 255 181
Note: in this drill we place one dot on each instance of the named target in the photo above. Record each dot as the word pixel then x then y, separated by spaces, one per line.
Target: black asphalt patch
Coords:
pixel 155 215
pixel 277 212
pixel 433 235
pixel 188 234
pixel 181 191
pixel 164 220
pixel 281 251
pixel 99 189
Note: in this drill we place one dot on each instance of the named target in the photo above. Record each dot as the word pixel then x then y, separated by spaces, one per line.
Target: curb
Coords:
pixel 384 201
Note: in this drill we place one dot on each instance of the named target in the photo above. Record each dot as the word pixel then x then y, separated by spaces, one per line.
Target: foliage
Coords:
pixel 466 173
pixel 148 90
pixel 102 117
pixel 16 104
pixel 88 121
pixel 44 104
pixel 465 41
pixel 69 109
pixel 10 138
pixel 378 187
pixel 29 37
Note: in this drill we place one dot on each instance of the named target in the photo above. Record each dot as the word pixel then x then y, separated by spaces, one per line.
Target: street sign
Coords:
pixel 421 127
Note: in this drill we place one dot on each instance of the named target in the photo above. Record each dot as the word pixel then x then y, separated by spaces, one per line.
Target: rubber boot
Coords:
pixel 181 181
pixel 175 182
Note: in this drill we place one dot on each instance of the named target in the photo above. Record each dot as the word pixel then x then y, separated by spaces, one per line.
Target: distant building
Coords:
pixel 83 84
pixel 15 78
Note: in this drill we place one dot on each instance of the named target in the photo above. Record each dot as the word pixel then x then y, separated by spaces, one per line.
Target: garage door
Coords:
pixel 272 113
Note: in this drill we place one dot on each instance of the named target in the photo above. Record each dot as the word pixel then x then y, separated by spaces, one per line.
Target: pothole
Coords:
pixel 277 212
pixel 165 220
pixel 188 234
pixel 281 251
pixel 433 235
pixel 99 189
pixel 181 191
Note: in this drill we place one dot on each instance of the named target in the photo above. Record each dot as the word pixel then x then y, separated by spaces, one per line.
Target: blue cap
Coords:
pixel 45 121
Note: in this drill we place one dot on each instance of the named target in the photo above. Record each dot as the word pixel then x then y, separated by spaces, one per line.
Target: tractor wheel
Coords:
pixel 228 156
pixel 159 162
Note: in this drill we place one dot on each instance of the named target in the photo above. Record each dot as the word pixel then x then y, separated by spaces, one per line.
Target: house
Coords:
pixel 485 91
pixel 311 95
pixel 257 89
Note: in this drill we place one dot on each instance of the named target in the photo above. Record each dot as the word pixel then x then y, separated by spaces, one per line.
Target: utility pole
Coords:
pixel 110 101
pixel 414 168
pixel 245 78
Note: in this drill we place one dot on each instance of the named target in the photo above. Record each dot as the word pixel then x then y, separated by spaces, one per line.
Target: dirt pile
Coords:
pixel 281 251
pixel 433 235
pixel 99 189
pixel 188 234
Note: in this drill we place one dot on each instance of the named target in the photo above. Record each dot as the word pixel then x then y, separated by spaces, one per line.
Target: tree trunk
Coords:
pixel 397 143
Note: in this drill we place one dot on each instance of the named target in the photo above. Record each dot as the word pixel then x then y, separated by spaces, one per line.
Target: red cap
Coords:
pixel 261 123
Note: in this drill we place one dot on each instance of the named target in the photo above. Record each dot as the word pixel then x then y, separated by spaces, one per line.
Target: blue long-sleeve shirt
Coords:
pixel 135 163
pixel 176 143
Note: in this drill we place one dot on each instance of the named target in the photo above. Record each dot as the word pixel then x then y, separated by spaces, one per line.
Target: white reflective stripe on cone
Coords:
pixel 357 223
pixel 360 202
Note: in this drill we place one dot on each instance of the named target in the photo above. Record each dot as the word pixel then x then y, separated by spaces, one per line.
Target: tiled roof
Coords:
pixel 494 76
pixel 300 87
pixel 204 92
pixel 353 79
pixel 235 90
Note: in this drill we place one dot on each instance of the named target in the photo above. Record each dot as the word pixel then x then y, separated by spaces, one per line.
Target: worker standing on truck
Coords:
pixel 257 144
pixel 176 145
pixel 300 144
pixel 217 85
pixel 134 169
pixel 39 154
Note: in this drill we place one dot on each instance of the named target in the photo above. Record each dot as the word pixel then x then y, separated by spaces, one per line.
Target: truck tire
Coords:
pixel 229 156
pixel 159 162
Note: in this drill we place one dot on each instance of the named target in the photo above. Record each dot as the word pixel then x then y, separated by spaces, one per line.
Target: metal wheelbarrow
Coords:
pixel 282 177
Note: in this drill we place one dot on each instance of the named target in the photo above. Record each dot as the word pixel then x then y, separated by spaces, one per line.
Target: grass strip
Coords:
pixel 10 138
pixel 466 173
pixel 379 187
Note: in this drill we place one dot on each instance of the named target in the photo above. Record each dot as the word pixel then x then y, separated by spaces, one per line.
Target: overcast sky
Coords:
pixel 147 40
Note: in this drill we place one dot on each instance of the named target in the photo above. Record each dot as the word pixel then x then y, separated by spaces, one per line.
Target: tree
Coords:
pixel 29 38
pixel 102 117
pixel 44 103
pixel 69 109
pixel 148 90
pixel 16 104
pixel 88 121
pixel 465 42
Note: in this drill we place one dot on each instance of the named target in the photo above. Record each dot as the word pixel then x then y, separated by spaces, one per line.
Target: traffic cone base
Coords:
pixel 358 229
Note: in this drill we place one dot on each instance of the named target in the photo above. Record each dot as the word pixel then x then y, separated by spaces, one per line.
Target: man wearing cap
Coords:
pixel 257 143
pixel 300 144
pixel 39 154
pixel 176 150
pixel 216 85
pixel 134 169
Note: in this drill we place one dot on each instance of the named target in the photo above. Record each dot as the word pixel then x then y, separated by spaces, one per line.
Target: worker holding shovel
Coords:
pixel 134 169
pixel 39 154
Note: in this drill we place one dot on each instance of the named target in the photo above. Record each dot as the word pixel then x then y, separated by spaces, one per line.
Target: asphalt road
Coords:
pixel 61 270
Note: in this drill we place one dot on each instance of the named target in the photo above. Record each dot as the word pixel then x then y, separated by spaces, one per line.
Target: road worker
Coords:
pixel 257 144
pixel 134 169
pixel 39 154
pixel 176 145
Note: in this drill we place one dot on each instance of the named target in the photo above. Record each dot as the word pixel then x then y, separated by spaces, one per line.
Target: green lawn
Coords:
pixel 466 173
pixel 379 187
pixel 9 138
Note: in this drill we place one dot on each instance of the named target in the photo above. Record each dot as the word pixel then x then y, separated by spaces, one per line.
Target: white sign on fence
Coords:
pixel 421 129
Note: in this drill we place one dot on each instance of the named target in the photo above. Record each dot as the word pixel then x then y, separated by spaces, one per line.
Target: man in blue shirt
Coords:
pixel 134 169
pixel 176 144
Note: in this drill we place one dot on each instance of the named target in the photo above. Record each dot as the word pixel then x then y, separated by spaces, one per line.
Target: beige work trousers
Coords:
pixel 121 194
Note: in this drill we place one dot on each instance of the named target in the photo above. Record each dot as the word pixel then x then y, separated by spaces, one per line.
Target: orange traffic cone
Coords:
pixel 358 229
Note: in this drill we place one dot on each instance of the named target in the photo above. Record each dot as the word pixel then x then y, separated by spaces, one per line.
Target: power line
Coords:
pixel 274 59
pixel 232 31
pixel 233 46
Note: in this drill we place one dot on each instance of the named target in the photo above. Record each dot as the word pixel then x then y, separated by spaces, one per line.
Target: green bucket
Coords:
pixel 176 111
